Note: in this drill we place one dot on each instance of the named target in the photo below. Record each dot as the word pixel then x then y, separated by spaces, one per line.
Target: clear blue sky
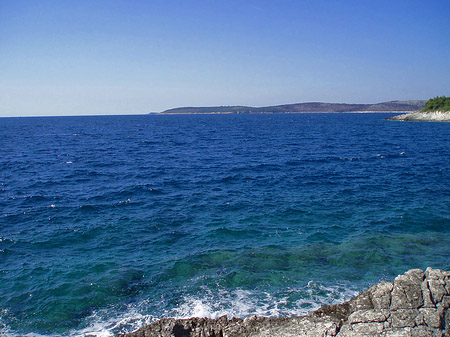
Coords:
pixel 64 57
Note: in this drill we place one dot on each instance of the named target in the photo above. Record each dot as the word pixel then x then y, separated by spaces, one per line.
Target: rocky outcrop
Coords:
pixel 415 304
pixel 429 116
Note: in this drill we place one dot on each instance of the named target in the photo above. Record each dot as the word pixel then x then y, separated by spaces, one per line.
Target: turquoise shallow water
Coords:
pixel 108 223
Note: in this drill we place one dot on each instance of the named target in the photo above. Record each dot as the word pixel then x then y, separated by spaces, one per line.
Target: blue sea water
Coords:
pixel 108 223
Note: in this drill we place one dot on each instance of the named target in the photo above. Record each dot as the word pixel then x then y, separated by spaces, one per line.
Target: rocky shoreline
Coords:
pixel 429 116
pixel 415 304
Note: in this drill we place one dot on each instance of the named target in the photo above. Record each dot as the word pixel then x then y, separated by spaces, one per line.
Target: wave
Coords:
pixel 239 303
pixel 243 303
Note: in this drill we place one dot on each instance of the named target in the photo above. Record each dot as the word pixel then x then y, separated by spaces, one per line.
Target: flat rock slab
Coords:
pixel 415 304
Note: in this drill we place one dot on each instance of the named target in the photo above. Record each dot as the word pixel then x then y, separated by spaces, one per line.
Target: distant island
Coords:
pixel 436 109
pixel 311 107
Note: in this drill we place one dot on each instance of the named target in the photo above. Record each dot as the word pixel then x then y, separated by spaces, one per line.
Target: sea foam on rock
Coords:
pixel 415 304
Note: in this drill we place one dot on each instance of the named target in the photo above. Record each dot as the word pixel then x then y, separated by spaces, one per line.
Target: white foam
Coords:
pixel 244 303
pixel 213 304
pixel 240 303
pixel 100 325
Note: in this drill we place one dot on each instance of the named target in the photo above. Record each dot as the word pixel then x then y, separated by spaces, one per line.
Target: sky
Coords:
pixel 87 57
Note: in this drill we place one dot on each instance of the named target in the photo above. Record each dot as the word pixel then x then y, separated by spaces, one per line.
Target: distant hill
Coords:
pixel 312 107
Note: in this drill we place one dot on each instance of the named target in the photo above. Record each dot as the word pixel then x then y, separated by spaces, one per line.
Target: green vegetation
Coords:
pixel 439 103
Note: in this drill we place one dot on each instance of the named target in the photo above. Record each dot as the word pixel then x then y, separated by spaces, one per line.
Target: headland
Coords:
pixel 436 109
pixel 423 116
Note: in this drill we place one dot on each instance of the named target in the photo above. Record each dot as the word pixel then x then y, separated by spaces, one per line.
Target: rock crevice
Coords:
pixel 415 304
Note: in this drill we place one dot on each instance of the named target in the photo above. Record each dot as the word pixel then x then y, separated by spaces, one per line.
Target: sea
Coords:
pixel 108 223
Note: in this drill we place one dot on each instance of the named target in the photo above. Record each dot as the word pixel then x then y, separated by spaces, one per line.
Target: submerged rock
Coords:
pixel 415 304
pixel 429 116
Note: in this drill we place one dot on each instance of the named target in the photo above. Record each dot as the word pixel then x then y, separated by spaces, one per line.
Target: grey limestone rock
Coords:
pixel 415 304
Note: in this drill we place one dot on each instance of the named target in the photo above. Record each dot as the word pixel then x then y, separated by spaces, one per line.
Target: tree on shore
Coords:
pixel 438 103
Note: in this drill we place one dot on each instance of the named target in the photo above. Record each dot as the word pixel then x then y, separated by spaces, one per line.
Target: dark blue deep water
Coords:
pixel 108 223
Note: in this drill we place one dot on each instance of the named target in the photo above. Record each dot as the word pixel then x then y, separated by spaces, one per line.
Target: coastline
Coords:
pixel 416 303
pixel 277 113
pixel 306 107
pixel 423 116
